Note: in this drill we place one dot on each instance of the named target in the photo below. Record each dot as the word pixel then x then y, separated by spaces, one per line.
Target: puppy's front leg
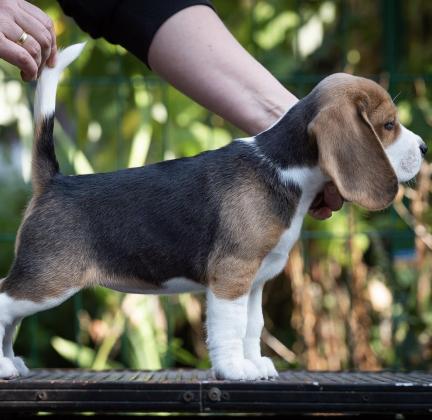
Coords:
pixel 251 342
pixel 226 328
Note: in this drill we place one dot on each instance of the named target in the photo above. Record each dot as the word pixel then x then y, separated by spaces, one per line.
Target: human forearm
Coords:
pixel 196 53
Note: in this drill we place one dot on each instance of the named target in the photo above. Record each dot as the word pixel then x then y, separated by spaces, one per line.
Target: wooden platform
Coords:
pixel 194 391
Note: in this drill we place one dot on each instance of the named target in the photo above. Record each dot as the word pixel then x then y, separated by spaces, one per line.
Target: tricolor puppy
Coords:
pixel 222 222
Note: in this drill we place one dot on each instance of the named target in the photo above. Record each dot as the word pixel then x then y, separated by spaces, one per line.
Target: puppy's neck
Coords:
pixel 286 143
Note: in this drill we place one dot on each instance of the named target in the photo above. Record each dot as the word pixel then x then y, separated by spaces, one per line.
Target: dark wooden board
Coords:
pixel 196 391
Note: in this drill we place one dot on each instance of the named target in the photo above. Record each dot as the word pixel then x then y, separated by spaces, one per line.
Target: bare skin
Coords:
pixel 196 53
pixel 38 49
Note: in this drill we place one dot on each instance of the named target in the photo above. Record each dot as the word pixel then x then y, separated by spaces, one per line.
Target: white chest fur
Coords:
pixel 311 181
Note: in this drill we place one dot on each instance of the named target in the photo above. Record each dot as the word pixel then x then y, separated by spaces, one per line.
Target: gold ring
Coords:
pixel 22 38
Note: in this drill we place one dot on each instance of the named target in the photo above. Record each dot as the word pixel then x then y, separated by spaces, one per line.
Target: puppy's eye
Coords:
pixel 389 125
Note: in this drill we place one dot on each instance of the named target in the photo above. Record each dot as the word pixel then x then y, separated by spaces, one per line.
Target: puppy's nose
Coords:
pixel 423 148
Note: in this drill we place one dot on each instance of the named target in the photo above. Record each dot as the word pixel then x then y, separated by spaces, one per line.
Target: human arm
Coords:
pixel 195 52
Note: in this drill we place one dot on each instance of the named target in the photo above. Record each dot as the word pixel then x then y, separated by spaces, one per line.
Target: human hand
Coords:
pixel 30 53
pixel 326 202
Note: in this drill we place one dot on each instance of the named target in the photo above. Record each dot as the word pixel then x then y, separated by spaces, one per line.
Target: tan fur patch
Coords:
pixel 231 277
pixel 376 101
pixel 64 274
pixel 249 231
pixel 95 276
pixel 41 288
pixel 51 256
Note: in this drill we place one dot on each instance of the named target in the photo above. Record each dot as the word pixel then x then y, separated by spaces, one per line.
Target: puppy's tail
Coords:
pixel 44 161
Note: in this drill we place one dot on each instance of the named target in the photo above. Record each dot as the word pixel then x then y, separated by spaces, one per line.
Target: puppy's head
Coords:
pixel 362 146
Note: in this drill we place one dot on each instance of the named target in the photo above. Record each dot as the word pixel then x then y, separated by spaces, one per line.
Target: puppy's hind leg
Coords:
pixel 7 368
pixel 19 299
pixel 8 349
pixel 8 321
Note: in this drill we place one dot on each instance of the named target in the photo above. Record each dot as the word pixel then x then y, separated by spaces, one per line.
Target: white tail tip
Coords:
pixel 65 57
pixel 47 84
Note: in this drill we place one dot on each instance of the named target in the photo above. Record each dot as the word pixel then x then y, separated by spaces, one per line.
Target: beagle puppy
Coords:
pixel 222 222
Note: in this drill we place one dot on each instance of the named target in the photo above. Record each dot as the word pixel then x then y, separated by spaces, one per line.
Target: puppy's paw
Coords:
pixel 7 369
pixel 20 366
pixel 236 369
pixel 265 367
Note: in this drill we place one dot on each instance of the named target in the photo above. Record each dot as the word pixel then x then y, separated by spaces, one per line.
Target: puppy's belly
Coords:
pixel 170 287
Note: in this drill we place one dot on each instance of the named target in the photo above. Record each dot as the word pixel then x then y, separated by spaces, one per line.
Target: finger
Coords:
pixel 332 197
pixel 13 33
pixel 18 56
pixel 33 48
pixel 38 31
pixel 46 21
pixel 37 14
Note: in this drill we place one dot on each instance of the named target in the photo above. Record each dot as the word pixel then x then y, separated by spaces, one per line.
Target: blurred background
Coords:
pixel 356 293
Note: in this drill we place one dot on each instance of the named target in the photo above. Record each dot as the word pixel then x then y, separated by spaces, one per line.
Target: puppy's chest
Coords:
pixel 275 261
pixel 311 181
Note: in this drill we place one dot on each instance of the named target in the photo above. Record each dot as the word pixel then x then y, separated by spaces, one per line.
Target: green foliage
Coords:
pixel 113 113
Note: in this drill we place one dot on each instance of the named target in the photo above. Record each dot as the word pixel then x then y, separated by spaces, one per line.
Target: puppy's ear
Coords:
pixel 351 154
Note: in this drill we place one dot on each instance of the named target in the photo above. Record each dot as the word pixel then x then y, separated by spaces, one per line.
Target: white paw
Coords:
pixel 20 366
pixel 265 367
pixel 236 369
pixel 7 369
